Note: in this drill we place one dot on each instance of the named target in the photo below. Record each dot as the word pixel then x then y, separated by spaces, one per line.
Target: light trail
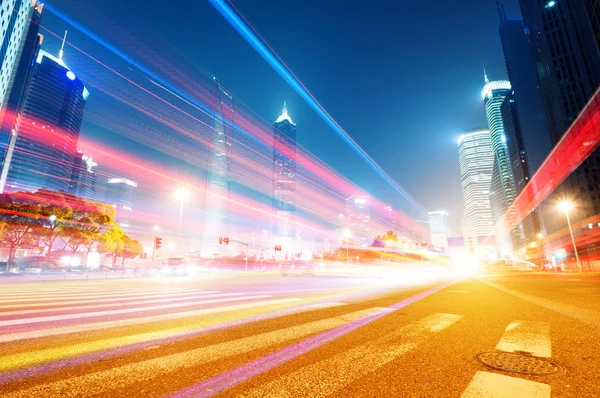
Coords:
pixel 275 61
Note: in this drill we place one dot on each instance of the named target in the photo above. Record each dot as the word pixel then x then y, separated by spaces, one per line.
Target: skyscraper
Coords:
pixel 284 174
pixel 121 194
pixel 522 74
pixel 438 228
pixel 358 218
pixel 15 17
pixel 502 193
pixel 476 161
pixel 43 141
pixel 218 175
pixel 83 177
pixel 564 35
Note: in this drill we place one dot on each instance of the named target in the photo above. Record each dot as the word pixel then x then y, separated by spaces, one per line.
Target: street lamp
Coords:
pixel 347 234
pixel 182 195
pixel 566 206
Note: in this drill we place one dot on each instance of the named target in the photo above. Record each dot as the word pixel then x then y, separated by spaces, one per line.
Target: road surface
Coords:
pixel 267 336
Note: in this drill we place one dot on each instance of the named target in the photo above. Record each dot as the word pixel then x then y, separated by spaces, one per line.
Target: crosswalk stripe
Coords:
pixel 116 378
pixel 71 297
pixel 128 303
pixel 323 378
pixel 493 385
pixel 527 336
pixel 25 321
pixel 32 334
pixel 65 304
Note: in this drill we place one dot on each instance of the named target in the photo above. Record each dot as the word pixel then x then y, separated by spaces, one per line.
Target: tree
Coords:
pixel 384 240
pixel 19 217
pixel 55 213
pixel 131 248
pixel 111 242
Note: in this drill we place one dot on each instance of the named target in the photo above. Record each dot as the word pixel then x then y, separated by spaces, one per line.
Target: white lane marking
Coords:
pixel 26 321
pixel 527 336
pixel 325 377
pixel 127 303
pixel 137 321
pixel 493 385
pixel 60 291
pixel 65 304
pixel 109 380
pixel 71 297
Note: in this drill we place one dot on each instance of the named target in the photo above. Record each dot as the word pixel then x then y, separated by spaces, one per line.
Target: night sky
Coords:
pixel 402 77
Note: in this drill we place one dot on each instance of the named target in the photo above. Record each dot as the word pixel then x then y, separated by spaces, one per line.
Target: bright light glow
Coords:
pixel 52 218
pixel 93 260
pixel 346 232
pixel 360 201
pixel 565 206
pixel 551 4
pixel 71 75
pixel 284 115
pixel 503 138
pixel 540 235
pixel 182 194
pixel 533 244
pixel 155 228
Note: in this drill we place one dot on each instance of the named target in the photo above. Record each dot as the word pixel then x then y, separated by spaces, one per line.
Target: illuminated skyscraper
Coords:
pixel 502 193
pixel 218 175
pixel 43 140
pixel 121 193
pixel 15 18
pixel 358 218
pixel 284 174
pixel 438 228
pixel 476 160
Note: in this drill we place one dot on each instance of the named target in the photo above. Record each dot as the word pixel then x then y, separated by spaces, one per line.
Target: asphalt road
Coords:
pixel 260 335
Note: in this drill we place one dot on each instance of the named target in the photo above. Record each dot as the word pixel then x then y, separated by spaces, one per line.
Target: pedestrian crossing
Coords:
pixel 105 320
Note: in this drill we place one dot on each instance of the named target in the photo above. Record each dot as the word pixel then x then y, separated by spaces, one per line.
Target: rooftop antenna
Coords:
pixel 485 76
pixel 62 47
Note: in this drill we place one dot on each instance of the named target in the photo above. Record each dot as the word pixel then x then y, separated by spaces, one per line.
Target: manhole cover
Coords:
pixel 517 363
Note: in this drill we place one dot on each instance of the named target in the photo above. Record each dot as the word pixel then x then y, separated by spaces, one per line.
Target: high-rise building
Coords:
pixel 218 174
pixel 564 36
pixel 358 218
pixel 476 161
pixel 83 177
pixel 502 193
pixel 284 174
pixel 522 74
pixel 16 18
pixel 519 163
pixel 43 142
pixel 438 228
pixel 121 194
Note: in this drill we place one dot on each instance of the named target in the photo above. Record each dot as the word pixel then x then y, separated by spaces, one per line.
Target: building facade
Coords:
pixel 83 177
pixel 358 219
pixel 218 173
pixel 284 175
pixel 43 142
pixel 564 37
pixel 438 228
pixel 476 162
pixel 121 194
pixel 503 192
pixel 15 17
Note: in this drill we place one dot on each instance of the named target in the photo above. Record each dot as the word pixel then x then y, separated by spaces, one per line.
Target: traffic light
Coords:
pixel 220 240
pixel 157 242
pixel 226 241
pixel 277 248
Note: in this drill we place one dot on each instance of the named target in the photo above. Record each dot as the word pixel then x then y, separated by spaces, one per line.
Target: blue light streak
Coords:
pixel 243 29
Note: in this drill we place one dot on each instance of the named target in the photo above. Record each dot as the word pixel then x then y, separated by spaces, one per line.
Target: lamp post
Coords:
pixel 347 234
pixel 565 206
pixel 181 194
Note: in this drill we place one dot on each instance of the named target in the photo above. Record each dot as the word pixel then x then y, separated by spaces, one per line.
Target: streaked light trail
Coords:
pixel 272 59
